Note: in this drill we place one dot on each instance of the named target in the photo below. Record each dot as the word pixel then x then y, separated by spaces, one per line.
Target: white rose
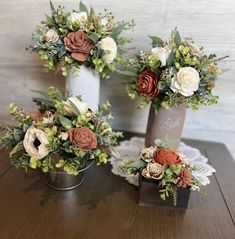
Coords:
pixel 80 17
pixel 109 45
pixel 186 81
pixel 194 49
pixel 162 53
pixel 81 106
pixel 35 141
pixel 52 36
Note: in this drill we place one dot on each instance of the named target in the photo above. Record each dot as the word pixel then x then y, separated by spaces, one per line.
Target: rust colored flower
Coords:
pixel 184 178
pixel 147 84
pixel 79 44
pixel 166 156
pixel 83 138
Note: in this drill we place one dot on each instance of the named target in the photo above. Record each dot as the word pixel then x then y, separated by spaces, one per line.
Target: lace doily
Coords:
pixel 130 149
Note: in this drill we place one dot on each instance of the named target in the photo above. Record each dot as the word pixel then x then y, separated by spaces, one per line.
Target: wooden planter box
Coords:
pixel 150 196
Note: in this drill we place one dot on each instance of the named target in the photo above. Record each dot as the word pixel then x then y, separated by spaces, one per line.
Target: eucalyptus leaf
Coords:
pixel 170 60
pixel 17 150
pixel 177 38
pixel 67 124
pixel 128 73
pixel 94 37
pixel 117 30
pixel 156 41
pixel 83 8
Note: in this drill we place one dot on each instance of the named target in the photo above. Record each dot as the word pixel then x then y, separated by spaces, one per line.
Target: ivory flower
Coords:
pixel 75 102
pixel 162 53
pixel 110 47
pixel 153 171
pixel 51 36
pixel 35 141
pixel 186 81
pixel 194 49
pixel 80 17
pixel 147 154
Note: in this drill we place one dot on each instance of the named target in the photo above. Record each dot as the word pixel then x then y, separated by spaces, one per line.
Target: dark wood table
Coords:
pixel 105 206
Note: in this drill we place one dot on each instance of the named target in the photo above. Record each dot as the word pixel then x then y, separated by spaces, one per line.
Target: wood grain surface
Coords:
pixel 106 206
pixel 210 23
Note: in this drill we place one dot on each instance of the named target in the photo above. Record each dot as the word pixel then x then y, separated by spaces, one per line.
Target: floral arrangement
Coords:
pixel 174 72
pixel 70 39
pixel 63 135
pixel 169 169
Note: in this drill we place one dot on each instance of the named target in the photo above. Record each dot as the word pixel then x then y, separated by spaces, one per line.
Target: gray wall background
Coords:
pixel 209 22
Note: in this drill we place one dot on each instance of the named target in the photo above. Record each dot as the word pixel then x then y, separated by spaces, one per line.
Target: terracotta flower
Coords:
pixel 166 156
pixel 147 84
pixel 83 138
pixel 184 178
pixel 79 44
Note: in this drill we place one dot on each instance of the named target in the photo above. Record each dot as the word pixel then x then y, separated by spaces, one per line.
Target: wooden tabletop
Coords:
pixel 105 206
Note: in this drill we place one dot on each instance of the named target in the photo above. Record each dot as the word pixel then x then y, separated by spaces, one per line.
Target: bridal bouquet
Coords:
pixel 64 134
pixel 70 39
pixel 176 71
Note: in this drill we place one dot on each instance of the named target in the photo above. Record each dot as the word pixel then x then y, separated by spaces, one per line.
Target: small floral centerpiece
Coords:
pixel 167 170
pixel 71 39
pixel 63 136
pixel 174 72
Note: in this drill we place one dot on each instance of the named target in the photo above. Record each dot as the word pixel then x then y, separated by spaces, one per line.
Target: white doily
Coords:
pixel 130 149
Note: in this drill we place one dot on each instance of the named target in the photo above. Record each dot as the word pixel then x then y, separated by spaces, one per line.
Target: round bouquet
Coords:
pixel 70 39
pixel 175 72
pixel 62 136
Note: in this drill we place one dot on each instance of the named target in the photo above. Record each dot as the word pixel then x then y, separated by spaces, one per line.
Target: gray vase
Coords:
pixel 165 124
pixel 60 180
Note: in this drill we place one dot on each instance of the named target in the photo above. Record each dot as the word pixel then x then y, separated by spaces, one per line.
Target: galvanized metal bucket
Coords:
pixel 60 180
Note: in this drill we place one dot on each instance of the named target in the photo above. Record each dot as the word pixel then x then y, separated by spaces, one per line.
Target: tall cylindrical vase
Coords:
pixel 165 124
pixel 85 82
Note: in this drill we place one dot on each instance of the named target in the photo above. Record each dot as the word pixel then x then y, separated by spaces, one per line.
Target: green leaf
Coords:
pixel 67 124
pixel 128 73
pixel 156 41
pixel 83 8
pixel 170 60
pixel 94 37
pixel 18 133
pixel 49 21
pixel 43 101
pixel 117 30
pixel 42 93
pixel 92 12
pixel 17 151
pixel 177 38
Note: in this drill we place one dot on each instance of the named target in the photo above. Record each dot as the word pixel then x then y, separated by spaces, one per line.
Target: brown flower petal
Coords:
pixel 166 156
pixel 83 138
pixel 184 178
pixel 147 84
pixel 79 44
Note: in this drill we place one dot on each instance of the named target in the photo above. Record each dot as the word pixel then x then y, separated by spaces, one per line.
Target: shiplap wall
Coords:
pixel 209 22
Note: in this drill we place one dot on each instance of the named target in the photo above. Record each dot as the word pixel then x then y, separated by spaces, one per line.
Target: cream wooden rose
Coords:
pixel 109 45
pixel 80 17
pixel 81 106
pixel 52 36
pixel 32 136
pixel 186 81
pixel 162 53
pixel 153 171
